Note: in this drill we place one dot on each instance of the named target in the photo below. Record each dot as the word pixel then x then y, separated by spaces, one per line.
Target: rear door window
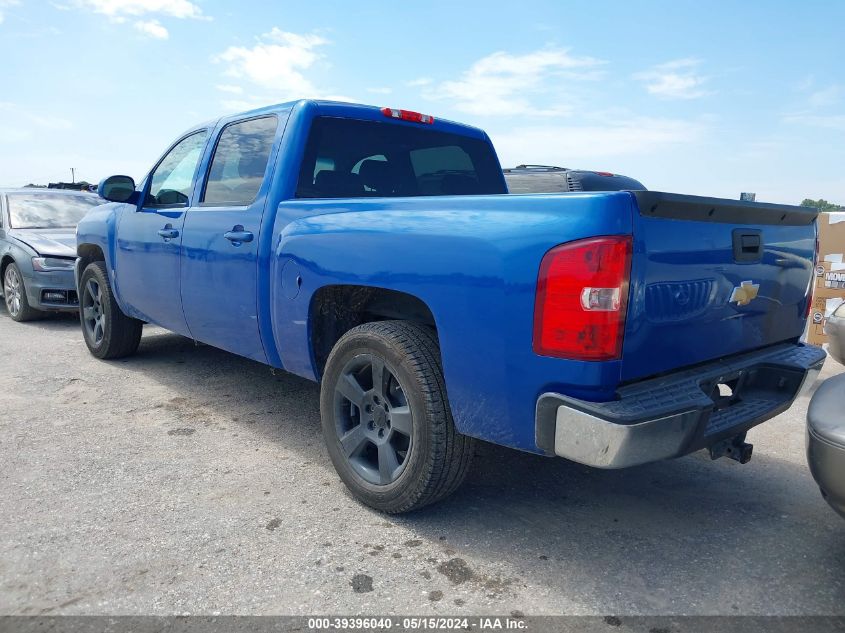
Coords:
pixel 347 158
pixel 240 162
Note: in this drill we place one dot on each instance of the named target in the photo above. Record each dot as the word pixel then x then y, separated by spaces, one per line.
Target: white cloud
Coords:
pixel 834 122
pixel 380 91
pixel 135 8
pixel 826 96
pixel 152 28
pixel 576 146
pixel 50 122
pixel 421 81
pixel 340 97
pixel 242 105
pixel 26 119
pixel 677 79
pixel 235 90
pixel 4 4
pixel 503 84
pixel 806 83
pixel 277 62
pixel 253 102
pixel 121 11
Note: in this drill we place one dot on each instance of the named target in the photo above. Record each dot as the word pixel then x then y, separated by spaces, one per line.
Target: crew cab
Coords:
pixel 371 249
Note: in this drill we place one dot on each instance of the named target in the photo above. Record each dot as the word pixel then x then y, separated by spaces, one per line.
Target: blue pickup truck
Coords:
pixel 373 250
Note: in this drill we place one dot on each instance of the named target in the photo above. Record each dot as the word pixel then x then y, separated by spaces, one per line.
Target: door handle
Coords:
pixel 168 232
pixel 238 236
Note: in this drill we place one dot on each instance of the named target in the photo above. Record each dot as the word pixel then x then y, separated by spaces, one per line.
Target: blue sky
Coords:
pixel 708 98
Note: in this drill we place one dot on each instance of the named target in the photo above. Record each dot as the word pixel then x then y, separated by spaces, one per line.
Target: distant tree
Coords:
pixel 822 205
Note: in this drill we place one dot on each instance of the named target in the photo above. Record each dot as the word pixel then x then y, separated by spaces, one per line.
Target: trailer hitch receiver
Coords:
pixel 734 447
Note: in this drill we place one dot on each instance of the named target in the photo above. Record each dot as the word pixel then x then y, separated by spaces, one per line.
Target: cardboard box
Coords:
pixel 822 307
pixel 829 287
pixel 830 277
pixel 831 234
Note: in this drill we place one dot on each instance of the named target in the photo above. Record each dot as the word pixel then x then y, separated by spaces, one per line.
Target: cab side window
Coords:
pixel 240 162
pixel 173 178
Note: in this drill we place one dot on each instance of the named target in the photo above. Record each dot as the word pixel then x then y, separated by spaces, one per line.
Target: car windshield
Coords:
pixel 48 210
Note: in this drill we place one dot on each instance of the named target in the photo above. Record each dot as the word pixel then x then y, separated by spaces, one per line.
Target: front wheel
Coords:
pixel 14 292
pixel 386 417
pixel 108 332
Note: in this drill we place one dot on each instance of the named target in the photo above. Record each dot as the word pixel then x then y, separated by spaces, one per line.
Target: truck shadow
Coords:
pixel 522 518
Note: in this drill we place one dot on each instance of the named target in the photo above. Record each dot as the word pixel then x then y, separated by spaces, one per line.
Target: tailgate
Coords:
pixel 712 277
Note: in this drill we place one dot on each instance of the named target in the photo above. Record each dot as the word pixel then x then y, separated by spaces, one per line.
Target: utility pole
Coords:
pixel 72 174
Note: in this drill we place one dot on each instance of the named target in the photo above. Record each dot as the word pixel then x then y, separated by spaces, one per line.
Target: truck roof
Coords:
pixel 344 109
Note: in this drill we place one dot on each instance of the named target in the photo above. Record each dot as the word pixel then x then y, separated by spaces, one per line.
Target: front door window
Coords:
pixel 173 178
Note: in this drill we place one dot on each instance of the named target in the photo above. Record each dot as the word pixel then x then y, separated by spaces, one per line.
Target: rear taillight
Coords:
pixel 582 297
pixel 407 115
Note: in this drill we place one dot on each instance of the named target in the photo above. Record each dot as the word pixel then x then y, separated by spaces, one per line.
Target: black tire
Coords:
pixel 14 292
pixel 107 331
pixel 436 457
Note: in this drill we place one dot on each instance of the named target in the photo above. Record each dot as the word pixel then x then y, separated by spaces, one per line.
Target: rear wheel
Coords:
pixel 108 332
pixel 14 292
pixel 386 418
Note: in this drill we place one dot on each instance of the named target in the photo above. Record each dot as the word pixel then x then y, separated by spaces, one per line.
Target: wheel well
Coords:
pixel 89 253
pixel 7 259
pixel 337 309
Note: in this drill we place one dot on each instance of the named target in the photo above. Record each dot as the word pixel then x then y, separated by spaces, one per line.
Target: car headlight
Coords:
pixel 46 264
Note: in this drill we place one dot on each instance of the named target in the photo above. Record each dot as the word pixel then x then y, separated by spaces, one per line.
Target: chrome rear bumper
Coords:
pixel 674 415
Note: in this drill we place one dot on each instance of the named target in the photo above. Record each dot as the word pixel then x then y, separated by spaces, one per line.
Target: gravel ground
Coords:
pixel 188 480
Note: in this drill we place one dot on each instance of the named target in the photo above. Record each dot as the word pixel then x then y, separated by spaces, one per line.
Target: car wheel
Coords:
pixel 386 418
pixel 14 292
pixel 108 332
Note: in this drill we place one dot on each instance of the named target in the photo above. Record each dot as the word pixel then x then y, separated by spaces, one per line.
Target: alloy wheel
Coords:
pixel 373 419
pixel 93 315
pixel 12 289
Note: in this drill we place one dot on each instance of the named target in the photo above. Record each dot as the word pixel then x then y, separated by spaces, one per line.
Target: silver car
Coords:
pixel 38 249
pixel 826 422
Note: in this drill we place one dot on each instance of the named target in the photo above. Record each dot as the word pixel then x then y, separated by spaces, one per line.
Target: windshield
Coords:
pixel 48 210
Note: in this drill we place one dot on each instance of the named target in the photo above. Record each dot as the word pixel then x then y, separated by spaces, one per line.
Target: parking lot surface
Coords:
pixel 188 480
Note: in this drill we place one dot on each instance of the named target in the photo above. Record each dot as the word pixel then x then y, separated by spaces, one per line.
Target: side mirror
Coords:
pixel 118 189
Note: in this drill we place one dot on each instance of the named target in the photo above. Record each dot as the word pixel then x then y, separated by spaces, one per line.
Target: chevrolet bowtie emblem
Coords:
pixel 744 293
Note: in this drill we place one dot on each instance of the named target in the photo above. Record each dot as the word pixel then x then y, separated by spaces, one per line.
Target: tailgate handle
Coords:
pixel 748 245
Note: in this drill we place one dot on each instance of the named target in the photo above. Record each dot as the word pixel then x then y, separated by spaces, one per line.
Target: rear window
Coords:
pixel 345 158
pixel 49 210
